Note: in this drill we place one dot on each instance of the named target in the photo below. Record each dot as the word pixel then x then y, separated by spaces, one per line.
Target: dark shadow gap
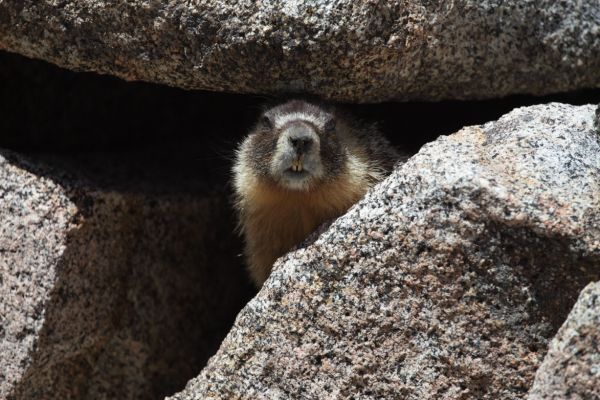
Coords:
pixel 49 109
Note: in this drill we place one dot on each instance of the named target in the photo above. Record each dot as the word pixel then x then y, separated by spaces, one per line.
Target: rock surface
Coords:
pixel 345 50
pixel 109 292
pixel 36 215
pixel 446 282
pixel 571 369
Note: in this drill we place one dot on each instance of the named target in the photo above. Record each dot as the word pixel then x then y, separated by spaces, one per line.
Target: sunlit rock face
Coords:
pixel 351 51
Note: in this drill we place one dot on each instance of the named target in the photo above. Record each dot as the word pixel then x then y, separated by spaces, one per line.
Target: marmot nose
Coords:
pixel 301 144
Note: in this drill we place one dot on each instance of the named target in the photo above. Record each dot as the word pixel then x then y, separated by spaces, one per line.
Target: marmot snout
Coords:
pixel 301 165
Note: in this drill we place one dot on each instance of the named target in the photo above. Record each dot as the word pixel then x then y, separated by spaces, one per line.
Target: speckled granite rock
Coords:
pixel 446 282
pixel 107 293
pixel 36 216
pixel 345 50
pixel 571 369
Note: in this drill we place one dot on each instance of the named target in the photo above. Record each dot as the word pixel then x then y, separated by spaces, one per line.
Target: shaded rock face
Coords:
pixel 109 292
pixel 571 369
pixel 446 282
pixel 352 51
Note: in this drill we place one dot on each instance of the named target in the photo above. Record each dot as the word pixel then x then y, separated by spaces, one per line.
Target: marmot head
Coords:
pixel 296 145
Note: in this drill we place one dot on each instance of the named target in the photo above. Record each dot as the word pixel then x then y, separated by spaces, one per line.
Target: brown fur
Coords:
pixel 273 219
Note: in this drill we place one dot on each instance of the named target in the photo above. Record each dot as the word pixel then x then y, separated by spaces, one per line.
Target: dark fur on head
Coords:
pixel 273 156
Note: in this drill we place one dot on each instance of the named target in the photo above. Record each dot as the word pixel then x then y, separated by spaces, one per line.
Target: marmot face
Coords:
pixel 296 145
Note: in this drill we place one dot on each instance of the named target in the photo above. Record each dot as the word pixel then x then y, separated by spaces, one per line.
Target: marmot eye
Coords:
pixel 330 125
pixel 265 122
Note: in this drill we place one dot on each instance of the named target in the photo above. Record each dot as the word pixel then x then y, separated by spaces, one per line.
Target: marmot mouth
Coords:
pixel 296 172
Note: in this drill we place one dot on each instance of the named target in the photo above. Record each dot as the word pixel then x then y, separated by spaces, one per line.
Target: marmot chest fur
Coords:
pixel 301 165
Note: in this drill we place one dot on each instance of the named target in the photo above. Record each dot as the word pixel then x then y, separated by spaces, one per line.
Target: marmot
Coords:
pixel 301 165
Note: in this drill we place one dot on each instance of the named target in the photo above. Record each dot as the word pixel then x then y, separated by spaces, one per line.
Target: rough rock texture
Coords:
pixel 36 215
pixel 358 51
pixel 571 369
pixel 107 293
pixel 446 282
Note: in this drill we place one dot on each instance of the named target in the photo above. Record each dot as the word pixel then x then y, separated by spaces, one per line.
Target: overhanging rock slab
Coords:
pixel 366 51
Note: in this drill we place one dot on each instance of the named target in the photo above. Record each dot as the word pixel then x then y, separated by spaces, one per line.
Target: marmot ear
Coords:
pixel 265 122
pixel 330 125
